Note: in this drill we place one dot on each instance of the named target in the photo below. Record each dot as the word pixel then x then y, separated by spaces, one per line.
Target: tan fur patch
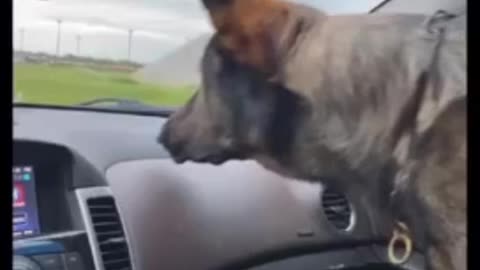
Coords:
pixel 246 28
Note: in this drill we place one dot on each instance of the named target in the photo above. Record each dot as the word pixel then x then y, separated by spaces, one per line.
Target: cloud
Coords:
pixel 104 25
pixel 160 25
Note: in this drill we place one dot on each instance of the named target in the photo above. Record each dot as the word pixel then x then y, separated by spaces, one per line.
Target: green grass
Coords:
pixel 68 85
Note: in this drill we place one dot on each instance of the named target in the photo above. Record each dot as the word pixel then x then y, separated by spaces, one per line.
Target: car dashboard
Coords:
pixel 94 190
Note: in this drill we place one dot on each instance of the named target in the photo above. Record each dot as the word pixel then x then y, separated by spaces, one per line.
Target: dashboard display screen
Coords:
pixel 25 211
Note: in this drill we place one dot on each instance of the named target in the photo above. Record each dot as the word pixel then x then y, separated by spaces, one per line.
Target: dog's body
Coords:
pixel 433 200
pixel 350 100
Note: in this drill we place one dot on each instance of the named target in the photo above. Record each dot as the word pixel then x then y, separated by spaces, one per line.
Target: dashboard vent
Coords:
pixel 337 210
pixel 109 232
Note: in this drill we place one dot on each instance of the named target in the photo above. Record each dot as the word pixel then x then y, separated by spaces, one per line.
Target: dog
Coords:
pixel 372 101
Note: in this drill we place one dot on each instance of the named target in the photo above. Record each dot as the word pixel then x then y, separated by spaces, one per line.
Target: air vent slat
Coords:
pixel 102 209
pixel 109 233
pixel 116 263
pixel 118 251
pixel 103 215
pixel 337 210
pixel 339 215
pixel 115 255
pixel 335 201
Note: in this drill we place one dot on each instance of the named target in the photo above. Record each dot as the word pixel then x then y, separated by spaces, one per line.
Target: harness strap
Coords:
pixel 407 123
pixel 401 234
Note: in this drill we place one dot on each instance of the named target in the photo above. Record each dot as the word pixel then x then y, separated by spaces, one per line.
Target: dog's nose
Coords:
pixel 166 139
pixel 163 136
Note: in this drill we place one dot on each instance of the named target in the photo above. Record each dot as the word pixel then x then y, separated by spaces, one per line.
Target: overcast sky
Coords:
pixel 160 25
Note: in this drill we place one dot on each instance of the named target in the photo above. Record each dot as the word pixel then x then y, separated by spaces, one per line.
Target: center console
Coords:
pixel 52 245
pixel 25 204
pixel 64 215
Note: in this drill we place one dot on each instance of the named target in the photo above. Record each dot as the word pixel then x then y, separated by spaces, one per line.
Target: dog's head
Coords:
pixel 240 111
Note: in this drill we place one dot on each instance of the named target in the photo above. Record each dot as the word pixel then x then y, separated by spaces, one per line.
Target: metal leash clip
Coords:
pixel 400 238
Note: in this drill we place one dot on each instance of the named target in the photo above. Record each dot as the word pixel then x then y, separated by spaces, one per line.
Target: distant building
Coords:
pixel 19 57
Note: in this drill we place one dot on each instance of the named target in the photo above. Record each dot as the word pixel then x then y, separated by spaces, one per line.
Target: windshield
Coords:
pixel 68 52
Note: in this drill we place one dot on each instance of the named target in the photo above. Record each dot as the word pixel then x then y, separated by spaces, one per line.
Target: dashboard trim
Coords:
pixel 89 193
pixel 157 112
pixel 51 236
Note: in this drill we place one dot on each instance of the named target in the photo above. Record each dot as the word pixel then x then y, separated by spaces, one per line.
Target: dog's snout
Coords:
pixel 167 139
pixel 163 136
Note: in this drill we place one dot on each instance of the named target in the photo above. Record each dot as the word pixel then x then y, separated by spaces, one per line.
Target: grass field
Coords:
pixel 67 85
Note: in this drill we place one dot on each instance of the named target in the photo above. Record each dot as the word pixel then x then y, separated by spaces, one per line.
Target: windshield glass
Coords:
pixel 67 52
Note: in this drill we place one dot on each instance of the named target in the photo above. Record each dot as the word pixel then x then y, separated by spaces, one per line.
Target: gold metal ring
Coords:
pixel 400 237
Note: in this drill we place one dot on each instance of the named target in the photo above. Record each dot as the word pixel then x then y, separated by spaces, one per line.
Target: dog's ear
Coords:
pixel 253 31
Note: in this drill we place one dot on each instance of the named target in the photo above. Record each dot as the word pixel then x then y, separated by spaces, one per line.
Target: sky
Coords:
pixel 101 26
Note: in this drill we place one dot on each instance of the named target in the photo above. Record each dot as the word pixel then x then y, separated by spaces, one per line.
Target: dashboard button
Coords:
pixel 23 263
pixel 50 262
pixel 73 261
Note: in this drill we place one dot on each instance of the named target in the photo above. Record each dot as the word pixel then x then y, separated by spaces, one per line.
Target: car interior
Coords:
pixel 94 190
pixel 109 197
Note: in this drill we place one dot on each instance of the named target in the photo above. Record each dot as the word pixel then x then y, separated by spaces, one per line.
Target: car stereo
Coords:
pixel 48 227
pixel 25 206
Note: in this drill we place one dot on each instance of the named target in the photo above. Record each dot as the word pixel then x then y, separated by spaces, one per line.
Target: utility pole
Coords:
pixel 130 36
pixel 79 39
pixel 59 23
pixel 22 38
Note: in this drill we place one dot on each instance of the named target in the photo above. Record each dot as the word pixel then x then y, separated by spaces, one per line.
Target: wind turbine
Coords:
pixel 130 37
pixel 59 23
pixel 79 39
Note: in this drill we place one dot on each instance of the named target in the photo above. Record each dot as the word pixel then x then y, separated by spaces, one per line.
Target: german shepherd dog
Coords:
pixel 376 101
